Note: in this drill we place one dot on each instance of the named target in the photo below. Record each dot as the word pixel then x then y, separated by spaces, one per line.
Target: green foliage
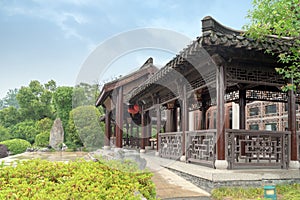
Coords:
pixel 290 191
pixel 9 116
pixel 38 179
pixel 236 193
pixel 44 125
pixel 35 101
pixel 10 99
pixel 62 100
pixel 287 191
pixel 1 104
pixel 85 94
pixel 25 130
pixel 16 146
pixel 280 18
pixel 40 103
pixel 4 134
pixel 84 126
pixel 42 139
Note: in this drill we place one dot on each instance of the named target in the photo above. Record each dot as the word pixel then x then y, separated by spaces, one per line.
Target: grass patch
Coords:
pixel 287 191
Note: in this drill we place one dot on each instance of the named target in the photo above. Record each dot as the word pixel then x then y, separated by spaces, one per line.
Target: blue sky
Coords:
pixel 46 39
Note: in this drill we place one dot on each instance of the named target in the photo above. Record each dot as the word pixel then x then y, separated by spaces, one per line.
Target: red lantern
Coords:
pixel 136 108
pixel 132 111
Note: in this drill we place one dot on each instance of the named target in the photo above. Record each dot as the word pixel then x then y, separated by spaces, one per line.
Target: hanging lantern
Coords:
pixel 132 111
pixel 170 105
pixel 136 107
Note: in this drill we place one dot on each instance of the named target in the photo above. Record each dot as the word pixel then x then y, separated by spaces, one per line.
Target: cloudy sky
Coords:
pixel 46 39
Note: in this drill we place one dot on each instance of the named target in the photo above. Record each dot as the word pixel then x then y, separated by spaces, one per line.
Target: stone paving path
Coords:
pixel 169 185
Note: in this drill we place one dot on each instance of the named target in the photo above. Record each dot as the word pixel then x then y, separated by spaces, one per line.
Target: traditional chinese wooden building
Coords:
pixel 119 115
pixel 219 67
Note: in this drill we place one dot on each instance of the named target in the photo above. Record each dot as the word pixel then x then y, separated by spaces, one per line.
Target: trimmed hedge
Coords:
pixel 16 146
pixel 42 139
pixel 43 180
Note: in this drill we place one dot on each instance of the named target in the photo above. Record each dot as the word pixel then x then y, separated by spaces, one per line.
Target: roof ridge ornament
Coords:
pixel 210 24
pixel 149 61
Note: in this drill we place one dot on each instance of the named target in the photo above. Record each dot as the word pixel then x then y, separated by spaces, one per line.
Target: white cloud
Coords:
pixel 54 13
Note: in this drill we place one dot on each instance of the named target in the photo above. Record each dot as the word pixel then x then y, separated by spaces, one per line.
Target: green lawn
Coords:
pixel 284 192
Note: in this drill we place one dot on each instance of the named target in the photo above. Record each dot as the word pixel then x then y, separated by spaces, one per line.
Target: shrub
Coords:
pixel 4 134
pixel 84 127
pixel 25 130
pixel 41 179
pixel 42 139
pixel 16 146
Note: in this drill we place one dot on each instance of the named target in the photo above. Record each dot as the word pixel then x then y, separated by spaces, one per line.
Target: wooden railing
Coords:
pixel 170 145
pixel 201 146
pixel 257 148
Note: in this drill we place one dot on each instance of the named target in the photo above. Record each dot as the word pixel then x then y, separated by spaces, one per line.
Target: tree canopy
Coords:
pixel 28 113
pixel 35 101
pixel 279 18
pixel 10 99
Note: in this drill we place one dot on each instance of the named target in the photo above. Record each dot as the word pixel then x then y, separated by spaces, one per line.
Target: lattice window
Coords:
pixel 253 111
pixel 270 109
pixel 254 127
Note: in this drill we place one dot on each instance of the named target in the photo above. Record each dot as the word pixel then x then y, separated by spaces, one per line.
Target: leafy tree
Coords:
pixel 11 99
pixel 25 130
pixel 35 101
pixel 85 94
pixel 62 100
pixel 51 85
pixel 9 117
pixel 1 104
pixel 280 18
pixel 84 126
pixel 44 125
pixel 4 134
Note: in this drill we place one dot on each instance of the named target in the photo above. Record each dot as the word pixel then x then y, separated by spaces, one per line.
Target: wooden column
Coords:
pixel 184 118
pixel 203 115
pixel 119 118
pixel 242 117
pixel 242 107
pixel 127 133
pixel 220 113
pixel 131 133
pixel 158 122
pixel 292 124
pixel 107 127
pixel 143 135
pixel 137 137
pixel 148 129
pixel 174 119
